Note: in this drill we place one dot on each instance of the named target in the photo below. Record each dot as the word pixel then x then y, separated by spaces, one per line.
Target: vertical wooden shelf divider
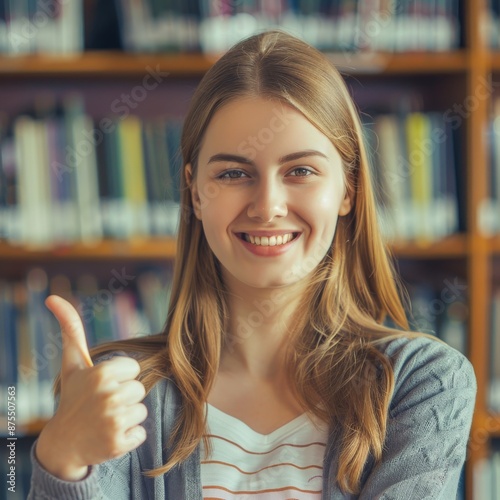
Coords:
pixel 478 262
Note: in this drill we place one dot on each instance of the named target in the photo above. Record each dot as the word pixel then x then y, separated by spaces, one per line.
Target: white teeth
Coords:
pixel 268 241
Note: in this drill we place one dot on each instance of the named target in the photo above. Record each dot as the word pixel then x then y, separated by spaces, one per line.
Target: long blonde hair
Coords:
pixel 340 375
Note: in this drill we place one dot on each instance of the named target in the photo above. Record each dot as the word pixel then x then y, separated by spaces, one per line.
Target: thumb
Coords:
pixel 75 354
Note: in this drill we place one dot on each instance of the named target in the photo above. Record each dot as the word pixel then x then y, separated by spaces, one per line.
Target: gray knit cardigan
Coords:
pixel 428 430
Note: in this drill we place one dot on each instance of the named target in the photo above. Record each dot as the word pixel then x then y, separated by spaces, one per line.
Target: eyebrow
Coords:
pixel 284 159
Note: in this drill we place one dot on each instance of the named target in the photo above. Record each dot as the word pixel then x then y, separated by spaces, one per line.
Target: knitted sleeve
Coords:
pixel 113 476
pixel 429 423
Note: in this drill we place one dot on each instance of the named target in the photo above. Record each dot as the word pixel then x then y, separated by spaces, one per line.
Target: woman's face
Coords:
pixel 268 191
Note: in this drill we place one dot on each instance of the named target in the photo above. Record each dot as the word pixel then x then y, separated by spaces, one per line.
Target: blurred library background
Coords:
pixel 92 99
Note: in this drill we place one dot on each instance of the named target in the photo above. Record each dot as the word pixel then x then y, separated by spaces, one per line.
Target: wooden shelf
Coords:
pixel 105 64
pixel 114 63
pixel 393 63
pixel 165 248
pixel 452 247
pixel 150 248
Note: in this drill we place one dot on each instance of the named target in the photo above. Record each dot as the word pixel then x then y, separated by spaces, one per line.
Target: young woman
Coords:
pixel 275 376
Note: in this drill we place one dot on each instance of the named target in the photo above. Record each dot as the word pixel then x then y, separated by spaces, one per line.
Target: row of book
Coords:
pixel 333 25
pixel 28 26
pixel 490 213
pixel 66 178
pixel 417 174
pixel 122 303
pixel 41 26
pixel 486 475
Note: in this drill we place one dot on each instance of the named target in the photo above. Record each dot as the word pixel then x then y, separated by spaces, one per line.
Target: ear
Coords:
pixel 191 183
pixel 346 205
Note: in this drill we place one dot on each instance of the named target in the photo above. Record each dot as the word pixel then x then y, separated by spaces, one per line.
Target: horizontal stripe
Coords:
pixel 259 492
pixel 265 452
pixel 263 468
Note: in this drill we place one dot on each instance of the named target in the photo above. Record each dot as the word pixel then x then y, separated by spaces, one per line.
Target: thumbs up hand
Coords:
pixel 99 409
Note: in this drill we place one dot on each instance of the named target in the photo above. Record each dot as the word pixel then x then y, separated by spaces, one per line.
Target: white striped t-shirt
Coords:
pixel 245 465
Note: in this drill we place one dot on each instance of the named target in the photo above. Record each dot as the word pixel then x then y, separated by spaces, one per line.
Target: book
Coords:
pixel 486 474
pixel 395 184
pixel 133 177
pixel 492 222
pixel 494 386
pixel 32 183
pixel 37 375
pixel 5 178
pixel 83 170
pixel 420 159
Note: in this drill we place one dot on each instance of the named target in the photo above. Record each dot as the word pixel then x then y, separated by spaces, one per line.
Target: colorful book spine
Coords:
pixel 494 388
pixel 135 205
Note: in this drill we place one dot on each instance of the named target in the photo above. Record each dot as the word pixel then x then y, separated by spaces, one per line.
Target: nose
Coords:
pixel 269 200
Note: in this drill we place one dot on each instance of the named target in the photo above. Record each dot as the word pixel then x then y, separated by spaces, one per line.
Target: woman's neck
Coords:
pixel 260 322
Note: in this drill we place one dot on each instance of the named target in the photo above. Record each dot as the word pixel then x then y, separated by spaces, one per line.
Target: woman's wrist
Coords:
pixel 55 462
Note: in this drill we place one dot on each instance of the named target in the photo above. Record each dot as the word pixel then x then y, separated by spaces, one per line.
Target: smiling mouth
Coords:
pixel 266 241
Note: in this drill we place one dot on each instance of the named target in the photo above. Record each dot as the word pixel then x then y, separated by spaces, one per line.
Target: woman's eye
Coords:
pixel 231 174
pixel 302 172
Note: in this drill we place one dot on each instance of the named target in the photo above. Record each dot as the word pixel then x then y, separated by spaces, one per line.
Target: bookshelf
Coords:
pixel 459 72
